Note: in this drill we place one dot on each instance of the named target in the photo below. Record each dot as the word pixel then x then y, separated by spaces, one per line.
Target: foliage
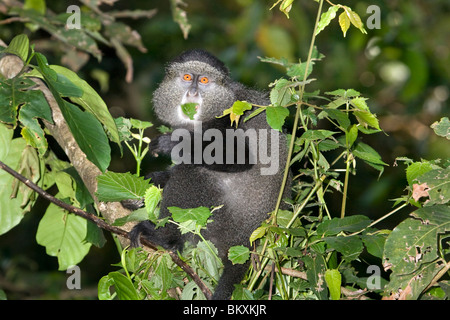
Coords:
pixel 311 251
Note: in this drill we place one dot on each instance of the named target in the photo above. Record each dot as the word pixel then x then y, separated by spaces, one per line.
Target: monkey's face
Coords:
pixel 192 82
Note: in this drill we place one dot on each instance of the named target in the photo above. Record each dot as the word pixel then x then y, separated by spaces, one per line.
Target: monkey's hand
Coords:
pixel 162 145
pixel 132 204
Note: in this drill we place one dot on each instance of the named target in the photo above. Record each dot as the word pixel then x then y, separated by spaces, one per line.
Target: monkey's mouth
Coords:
pixel 190 107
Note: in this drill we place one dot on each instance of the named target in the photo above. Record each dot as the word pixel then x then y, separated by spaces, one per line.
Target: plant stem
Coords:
pixel 297 116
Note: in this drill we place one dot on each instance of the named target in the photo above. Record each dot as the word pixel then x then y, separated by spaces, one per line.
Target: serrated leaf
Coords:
pixel 63 235
pixel 280 95
pixel 199 215
pixel 114 186
pixel 317 134
pixel 152 197
pixel 417 169
pixel 326 18
pixel 368 154
pixel 276 116
pixel 238 254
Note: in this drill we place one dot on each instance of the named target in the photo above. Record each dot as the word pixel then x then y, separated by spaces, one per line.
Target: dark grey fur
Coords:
pixel 246 195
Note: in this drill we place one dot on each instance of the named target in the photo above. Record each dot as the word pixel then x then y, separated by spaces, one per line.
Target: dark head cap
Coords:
pixel 202 56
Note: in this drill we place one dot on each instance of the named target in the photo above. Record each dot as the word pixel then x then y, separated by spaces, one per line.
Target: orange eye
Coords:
pixel 187 77
pixel 204 80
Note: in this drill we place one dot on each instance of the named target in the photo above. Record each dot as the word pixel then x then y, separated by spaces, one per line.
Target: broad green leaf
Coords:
pixel 438 182
pixel 239 107
pixel 276 116
pixel 13 203
pixel 200 214
pixel 348 224
pixel 63 236
pixel 350 247
pixel 417 169
pixel 103 288
pixel 114 186
pixel 19 46
pixel 315 272
pixel 123 287
pixel 326 18
pixel 333 279
pixel 414 242
pixel 90 101
pixel 355 19
pixel 89 134
pixel 86 129
pixel 352 134
pixel 238 254
pixel 189 109
pixel 374 243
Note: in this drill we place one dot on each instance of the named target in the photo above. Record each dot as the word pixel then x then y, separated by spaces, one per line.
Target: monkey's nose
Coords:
pixel 192 92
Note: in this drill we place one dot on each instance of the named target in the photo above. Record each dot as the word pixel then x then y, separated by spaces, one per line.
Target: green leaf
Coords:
pixel 333 279
pixel 123 286
pixel 89 134
pixel 14 204
pixel 326 18
pixel 90 101
pixel 103 288
pixel 86 129
pixel 189 109
pixel 374 243
pixel 438 182
pixel 350 247
pixel 414 242
pixel 238 254
pixel 348 224
pixel 239 107
pixel 442 128
pixel 63 236
pixel 317 134
pixel 276 116
pixel 257 234
pixel 417 169
pixel 35 106
pixel 137 215
pixel 280 95
pixel 315 272
pixel 114 186
pixel 298 70
pixel 368 154
pixel 19 46
pixel 344 22
pixel 199 215
pixel 152 198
